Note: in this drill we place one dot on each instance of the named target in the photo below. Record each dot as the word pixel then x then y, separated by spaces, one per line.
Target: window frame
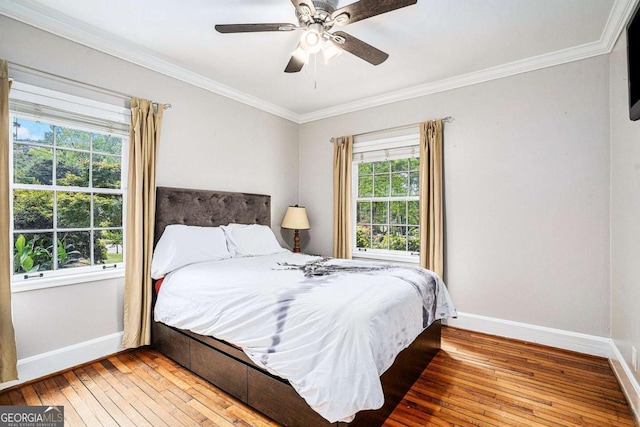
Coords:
pixel 379 148
pixel 70 105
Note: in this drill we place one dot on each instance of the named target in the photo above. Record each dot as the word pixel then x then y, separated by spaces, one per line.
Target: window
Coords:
pixel 68 194
pixel 386 207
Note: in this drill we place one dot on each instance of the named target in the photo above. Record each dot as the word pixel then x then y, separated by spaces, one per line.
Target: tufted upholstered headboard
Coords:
pixel 208 208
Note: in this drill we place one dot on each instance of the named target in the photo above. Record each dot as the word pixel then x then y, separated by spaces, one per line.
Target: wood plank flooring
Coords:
pixel 476 380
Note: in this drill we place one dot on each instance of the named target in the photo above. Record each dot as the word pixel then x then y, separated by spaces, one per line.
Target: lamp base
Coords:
pixel 296 241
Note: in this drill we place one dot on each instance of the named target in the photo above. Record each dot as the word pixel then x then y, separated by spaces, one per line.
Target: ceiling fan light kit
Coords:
pixel 316 18
pixel 312 38
pixel 330 51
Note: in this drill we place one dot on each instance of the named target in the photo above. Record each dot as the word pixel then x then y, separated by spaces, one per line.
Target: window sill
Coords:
pixel 71 279
pixel 404 259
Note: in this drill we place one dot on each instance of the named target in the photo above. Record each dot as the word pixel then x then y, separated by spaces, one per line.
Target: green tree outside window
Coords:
pixel 67 197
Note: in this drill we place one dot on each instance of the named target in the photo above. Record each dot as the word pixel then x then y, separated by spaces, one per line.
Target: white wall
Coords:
pixel 207 141
pixel 625 212
pixel 526 192
pixel 54 318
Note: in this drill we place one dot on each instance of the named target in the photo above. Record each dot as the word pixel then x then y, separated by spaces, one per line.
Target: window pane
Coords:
pixel 398 239
pixel 380 212
pixel 380 237
pixel 365 168
pixel 32 252
pixel 414 183
pixel 107 144
pixel 106 171
pixel 28 131
pixel 381 185
pixel 364 212
pixel 74 210
pixel 381 167
pixel 32 165
pixel 413 240
pixel 399 184
pixel 107 246
pixel 365 186
pixel 74 249
pixel 32 209
pixel 388 225
pixel 72 138
pixel 55 208
pixel 363 236
pixel 414 212
pixel 107 210
pixel 400 165
pixel 398 214
pixel 72 168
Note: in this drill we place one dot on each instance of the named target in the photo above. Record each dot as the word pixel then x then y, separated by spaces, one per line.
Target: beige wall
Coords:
pixel 208 141
pixel 526 192
pixel 625 212
pixel 527 170
pixel 54 318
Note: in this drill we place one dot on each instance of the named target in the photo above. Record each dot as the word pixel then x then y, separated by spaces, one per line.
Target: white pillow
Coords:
pixel 251 240
pixel 181 245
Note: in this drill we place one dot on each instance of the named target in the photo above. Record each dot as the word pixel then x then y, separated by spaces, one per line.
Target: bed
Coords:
pixel 226 365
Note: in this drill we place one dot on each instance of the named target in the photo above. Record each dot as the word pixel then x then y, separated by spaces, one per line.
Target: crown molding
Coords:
pixel 61 25
pixel 51 21
pixel 488 74
pixel 619 15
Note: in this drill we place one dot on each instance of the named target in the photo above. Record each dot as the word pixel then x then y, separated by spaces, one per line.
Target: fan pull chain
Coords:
pixel 315 71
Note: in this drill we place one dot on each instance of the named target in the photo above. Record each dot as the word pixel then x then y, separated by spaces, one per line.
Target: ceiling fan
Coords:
pixel 316 18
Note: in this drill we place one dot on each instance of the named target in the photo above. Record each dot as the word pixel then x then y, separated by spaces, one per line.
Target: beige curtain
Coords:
pixel 8 356
pixel 342 160
pixel 141 206
pixel 431 214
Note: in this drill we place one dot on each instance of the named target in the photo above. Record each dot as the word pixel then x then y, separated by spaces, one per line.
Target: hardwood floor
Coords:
pixel 476 380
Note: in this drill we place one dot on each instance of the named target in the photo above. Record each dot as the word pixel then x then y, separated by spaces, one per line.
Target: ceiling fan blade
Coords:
pixel 295 64
pixel 253 28
pixel 364 9
pixel 359 48
pixel 305 7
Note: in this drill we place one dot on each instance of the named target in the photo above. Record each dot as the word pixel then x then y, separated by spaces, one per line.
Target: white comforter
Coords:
pixel 331 335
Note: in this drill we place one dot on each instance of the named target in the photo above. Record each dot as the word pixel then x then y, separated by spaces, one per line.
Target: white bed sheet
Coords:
pixel 331 336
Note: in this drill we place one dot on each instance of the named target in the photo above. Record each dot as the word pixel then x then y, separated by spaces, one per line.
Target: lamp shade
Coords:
pixel 295 218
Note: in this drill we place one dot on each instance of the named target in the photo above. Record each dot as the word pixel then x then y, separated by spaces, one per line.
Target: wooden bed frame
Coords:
pixel 226 366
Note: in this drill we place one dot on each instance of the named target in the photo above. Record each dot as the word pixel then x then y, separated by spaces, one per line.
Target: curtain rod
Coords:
pixel 78 83
pixel 447 119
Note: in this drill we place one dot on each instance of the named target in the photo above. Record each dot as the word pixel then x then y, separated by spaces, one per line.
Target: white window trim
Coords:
pixel 389 145
pixel 400 257
pixel 87 107
pixel 66 280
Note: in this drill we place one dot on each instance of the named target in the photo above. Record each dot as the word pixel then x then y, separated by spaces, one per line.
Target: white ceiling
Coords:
pixel 434 45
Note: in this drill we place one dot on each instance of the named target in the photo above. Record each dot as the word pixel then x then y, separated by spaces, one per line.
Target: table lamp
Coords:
pixel 296 219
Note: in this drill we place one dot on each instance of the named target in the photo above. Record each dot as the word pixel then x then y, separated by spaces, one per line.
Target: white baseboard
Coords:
pixel 574 341
pixel 628 383
pixel 50 362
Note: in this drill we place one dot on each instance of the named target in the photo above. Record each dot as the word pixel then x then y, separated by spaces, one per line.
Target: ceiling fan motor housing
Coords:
pixel 327 5
pixel 324 9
